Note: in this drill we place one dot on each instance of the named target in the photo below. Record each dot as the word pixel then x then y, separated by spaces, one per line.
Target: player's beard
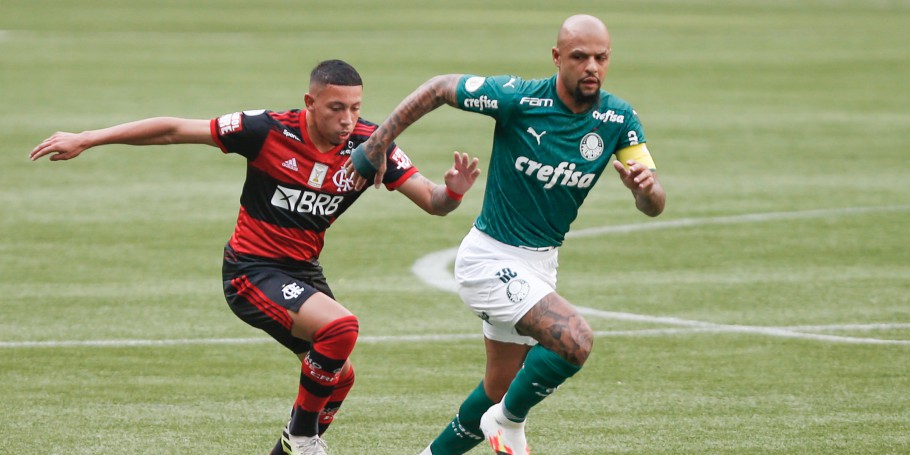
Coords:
pixel 585 99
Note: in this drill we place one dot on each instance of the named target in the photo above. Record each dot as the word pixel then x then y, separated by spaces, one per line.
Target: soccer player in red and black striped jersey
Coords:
pixel 296 187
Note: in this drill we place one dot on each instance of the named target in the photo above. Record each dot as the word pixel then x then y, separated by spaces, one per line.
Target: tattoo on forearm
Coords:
pixel 445 204
pixel 427 97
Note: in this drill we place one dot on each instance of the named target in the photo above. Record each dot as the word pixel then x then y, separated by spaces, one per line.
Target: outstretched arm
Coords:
pixel 433 93
pixel 438 199
pixel 649 194
pixel 151 131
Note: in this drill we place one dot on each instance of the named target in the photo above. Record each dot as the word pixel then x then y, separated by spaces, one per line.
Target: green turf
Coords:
pixel 795 112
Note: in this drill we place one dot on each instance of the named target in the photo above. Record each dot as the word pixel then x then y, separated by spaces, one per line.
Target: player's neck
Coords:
pixel 320 145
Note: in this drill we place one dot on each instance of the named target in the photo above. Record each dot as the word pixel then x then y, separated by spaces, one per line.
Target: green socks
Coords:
pixel 541 374
pixel 463 433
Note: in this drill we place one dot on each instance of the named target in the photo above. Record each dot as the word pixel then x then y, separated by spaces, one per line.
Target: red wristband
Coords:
pixel 453 195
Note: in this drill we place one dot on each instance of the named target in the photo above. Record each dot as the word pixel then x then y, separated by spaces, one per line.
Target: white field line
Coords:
pixel 434 269
pixel 126 343
pixel 734 219
pixel 708 327
pixel 694 327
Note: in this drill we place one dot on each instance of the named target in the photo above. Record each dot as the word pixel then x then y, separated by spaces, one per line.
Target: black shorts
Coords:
pixel 261 291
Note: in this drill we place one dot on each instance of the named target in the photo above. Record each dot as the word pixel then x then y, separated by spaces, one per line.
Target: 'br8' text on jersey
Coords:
pixel 307 202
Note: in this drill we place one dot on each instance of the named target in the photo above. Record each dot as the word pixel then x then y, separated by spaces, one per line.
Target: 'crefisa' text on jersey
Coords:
pixel 545 158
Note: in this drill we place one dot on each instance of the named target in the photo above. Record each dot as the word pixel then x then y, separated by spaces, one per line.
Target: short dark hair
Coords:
pixel 335 72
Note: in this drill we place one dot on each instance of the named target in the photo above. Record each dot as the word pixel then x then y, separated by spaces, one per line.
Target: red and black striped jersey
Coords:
pixel 293 192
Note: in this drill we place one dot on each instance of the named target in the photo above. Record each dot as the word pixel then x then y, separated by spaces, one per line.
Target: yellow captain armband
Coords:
pixel 638 153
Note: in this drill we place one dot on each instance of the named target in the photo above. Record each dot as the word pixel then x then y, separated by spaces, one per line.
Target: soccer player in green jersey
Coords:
pixel 553 139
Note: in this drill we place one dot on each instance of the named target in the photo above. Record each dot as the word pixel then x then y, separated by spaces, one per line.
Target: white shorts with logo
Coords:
pixel 500 283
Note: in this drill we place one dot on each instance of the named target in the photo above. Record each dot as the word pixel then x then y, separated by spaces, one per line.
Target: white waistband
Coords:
pixel 531 248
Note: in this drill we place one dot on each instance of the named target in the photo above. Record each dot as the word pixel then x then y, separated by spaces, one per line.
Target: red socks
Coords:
pixel 327 416
pixel 320 374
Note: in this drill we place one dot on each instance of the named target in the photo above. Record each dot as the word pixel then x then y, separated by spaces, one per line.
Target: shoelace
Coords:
pixel 305 445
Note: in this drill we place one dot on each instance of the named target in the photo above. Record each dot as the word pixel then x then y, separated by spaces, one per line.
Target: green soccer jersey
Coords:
pixel 545 158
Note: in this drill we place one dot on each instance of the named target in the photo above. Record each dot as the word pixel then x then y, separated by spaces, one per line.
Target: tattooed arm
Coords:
pixel 440 199
pixel 432 94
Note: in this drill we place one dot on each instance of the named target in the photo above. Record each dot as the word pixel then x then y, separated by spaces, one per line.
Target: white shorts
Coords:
pixel 500 283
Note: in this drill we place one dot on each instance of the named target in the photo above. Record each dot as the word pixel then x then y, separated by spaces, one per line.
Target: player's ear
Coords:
pixel 555 53
pixel 309 101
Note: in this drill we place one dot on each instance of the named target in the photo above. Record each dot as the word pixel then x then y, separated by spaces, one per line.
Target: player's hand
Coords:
pixel 462 175
pixel 637 177
pixel 377 158
pixel 358 180
pixel 60 146
pixel 379 162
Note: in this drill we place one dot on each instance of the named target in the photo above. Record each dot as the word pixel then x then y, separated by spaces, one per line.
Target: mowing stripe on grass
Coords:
pixel 433 269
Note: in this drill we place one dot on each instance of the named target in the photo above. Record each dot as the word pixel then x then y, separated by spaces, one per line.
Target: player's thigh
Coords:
pixel 315 313
pixel 280 304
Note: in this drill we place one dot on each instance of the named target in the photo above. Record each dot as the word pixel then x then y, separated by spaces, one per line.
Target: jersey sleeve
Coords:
pixel 242 133
pixel 489 96
pixel 398 168
pixel 633 132
pixel 632 145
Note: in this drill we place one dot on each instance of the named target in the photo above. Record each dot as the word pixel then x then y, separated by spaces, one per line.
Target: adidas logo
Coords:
pixel 290 164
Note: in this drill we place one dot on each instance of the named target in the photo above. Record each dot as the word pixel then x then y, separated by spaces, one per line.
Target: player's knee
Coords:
pixel 582 343
pixel 337 338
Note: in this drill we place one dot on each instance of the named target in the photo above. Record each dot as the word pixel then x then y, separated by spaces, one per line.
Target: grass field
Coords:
pixel 766 311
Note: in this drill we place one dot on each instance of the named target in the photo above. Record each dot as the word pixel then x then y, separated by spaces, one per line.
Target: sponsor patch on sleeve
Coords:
pixel 230 123
pixel 402 161
pixel 473 83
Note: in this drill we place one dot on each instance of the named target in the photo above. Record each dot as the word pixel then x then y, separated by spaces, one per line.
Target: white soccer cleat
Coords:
pixel 302 445
pixel 505 436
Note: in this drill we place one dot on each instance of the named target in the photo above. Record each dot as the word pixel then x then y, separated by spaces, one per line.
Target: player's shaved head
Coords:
pixel 582 27
pixel 582 54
